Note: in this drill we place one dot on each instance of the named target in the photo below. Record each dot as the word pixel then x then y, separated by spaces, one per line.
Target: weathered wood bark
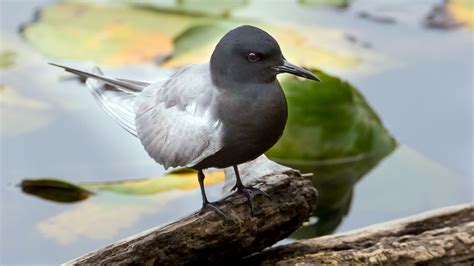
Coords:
pixel 444 236
pixel 208 238
pixel 439 237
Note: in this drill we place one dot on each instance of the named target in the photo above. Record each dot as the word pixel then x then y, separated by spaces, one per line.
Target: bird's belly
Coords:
pixel 255 140
pixel 244 146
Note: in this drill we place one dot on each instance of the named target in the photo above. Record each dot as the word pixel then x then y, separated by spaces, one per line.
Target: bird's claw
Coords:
pixel 207 207
pixel 250 193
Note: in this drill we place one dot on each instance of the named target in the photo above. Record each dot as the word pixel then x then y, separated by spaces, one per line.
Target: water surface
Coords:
pixel 420 85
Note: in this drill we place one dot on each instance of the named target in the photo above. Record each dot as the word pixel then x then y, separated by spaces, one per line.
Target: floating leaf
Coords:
pixel 332 132
pixel 451 15
pixel 184 180
pixel 106 35
pixel 120 35
pixel 462 11
pixel 331 3
pixel 300 48
pixel 195 45
pixel 220 8
pixel 54 190
pixel 328 121
pixel 7 58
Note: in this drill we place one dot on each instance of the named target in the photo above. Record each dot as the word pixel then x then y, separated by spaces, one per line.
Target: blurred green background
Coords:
pixel 388 133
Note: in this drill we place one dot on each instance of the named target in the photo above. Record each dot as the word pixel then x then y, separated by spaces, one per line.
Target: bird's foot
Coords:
pixel 250 193
pixel 210 206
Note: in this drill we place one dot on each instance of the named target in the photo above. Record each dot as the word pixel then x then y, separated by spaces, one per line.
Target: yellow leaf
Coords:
pixel 105 34
pixel 171 181
pixel 463 11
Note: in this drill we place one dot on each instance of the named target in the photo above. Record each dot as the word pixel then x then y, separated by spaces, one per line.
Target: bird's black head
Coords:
pixel 249 54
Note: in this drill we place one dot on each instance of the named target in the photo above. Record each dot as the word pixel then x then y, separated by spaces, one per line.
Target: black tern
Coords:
pixel 214 115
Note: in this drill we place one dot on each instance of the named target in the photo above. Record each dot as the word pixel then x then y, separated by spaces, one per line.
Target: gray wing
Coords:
pixel 117 103
pixel 115 96
pixel 174 119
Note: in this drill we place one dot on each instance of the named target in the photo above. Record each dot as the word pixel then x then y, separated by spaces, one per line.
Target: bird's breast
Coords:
pixel 253 119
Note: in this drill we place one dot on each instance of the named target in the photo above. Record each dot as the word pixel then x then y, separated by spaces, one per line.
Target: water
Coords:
pixel 422 90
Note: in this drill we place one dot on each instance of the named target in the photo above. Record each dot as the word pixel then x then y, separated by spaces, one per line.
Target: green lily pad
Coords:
pixel 222 8
pixel 111 35
pixel 105 34
pixel 328 121
pixel 54 190
pixel 332 132
pixel 195 44
pixel 330 3
pixel 7 58
pixel 64 191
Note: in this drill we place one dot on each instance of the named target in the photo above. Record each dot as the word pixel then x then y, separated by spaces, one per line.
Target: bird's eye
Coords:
pixel 253 57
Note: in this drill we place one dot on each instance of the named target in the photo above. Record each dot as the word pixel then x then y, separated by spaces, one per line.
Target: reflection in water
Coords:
pixel 102 217
pixel 334 133
pixel 20 114
pixel 335 181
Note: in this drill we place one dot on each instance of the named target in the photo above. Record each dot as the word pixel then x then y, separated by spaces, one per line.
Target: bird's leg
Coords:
pixel 206 205
pixel 249 192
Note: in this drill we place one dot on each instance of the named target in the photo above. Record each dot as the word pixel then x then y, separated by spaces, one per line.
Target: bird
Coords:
pixel 218 114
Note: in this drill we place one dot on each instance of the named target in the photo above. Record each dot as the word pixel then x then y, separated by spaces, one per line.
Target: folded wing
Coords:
pixel 116 101
pixel 175 121
pixel 115 96
pixel 172 118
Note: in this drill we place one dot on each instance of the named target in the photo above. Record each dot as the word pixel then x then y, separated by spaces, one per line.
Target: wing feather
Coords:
pixel 117 97
pixel 175 119
pixel 117 102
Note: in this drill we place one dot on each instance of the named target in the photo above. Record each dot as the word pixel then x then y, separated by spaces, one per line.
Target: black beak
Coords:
pixel 295 70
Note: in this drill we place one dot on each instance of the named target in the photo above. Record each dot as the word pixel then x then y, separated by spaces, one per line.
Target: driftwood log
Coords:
pixel 440 237
pixel 210 239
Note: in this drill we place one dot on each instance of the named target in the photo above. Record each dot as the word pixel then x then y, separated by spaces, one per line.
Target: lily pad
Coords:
pixel 462 11
pixel 7 58
pixel 334 133
pixel 183 180
pixel 329 3
pixel 222 8
pixel 328 121
pixel 113 35
pixel 64 191
pixel 105 34
pixel 195 45
pixel 54 190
